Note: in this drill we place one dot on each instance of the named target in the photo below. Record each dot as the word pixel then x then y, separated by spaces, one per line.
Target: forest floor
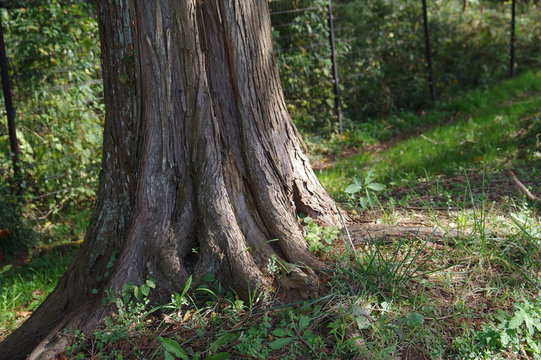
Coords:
pixel 442 259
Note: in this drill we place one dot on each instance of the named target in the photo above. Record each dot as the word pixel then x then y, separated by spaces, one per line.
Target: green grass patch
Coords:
pixel 470 296
pixel 23 288
pixel 479 130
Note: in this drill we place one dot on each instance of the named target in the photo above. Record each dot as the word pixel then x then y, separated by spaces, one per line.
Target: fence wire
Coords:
pixel 380 61
pixel 381 51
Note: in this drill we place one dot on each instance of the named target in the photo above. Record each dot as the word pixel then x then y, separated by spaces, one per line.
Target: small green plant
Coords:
pixel 133 308
pixel 6 268
pixel 380 269
pixel 518 332
pixel 319 238
pixel 138 291
pixel 253 340
pixel 172 349
pixel 363 191
pixel 272 265
pixel 296 328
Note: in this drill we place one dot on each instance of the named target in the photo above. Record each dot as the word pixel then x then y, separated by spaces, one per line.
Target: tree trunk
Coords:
pixel 202 166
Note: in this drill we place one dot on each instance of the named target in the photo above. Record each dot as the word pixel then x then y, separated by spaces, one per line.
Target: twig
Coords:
pixel 345 228
pixel 431 140
pixel 441 318
pixel 523 189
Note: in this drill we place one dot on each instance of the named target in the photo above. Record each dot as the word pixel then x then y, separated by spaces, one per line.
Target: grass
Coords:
pixel 480 130
pixel 471 297
pixel 24 287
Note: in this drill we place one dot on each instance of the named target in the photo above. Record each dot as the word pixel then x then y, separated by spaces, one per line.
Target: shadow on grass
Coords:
pixel 484 133
pixel 24 287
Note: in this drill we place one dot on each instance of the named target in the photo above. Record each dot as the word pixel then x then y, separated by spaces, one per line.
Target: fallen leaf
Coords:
pixel 23 314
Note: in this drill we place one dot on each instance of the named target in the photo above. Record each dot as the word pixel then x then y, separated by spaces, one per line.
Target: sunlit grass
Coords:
pixel 475 131
pixel 23 288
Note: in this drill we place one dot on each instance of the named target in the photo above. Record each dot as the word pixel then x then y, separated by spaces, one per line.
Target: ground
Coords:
pixel 469 293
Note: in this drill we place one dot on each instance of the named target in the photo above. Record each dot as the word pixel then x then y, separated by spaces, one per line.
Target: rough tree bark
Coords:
pixel 199 152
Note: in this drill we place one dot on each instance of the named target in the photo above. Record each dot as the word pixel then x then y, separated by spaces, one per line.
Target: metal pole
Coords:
pixel 10 111
pixel 512 44
pixel 336 82
pixel 428 55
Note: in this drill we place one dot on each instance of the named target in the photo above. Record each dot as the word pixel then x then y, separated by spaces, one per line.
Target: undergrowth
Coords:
pixel 474 295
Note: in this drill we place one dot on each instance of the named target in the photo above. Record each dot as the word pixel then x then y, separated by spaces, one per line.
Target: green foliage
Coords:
pixel 54 53
pixel 306 70
pixel 363 190
pixel 517 332
pixel 16 232
pixel 380 47
pixel 172 349
pixel 320 239
pixel 475 131
pixel 385 270
pixel 23 288
pixel 132 310
pixel 138 291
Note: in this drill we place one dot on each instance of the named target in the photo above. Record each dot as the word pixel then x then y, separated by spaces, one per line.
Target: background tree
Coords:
pixel 202 166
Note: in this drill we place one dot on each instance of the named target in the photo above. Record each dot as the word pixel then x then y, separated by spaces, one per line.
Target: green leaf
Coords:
pixel 353 188
pixel 119 303
pixel 303 323
pixel 137 293
pixel 504 338
pixel 227 338
pixel 376 187
pixel 414 319
pixel 280 343
pixel 533 345
pixel 279 332
pixel 363 202
pixel 369 176
pixel 363 322
pixel 517 320
pixel 151 283
pixel 173 347
pixel 186 286
pixel 537 324
pixel 6 268
pixel 145 289
pixel 219 356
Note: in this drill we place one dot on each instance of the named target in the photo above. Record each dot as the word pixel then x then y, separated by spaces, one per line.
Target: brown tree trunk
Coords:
pixel 199 153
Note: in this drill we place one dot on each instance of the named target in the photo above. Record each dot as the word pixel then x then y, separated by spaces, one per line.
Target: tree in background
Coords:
pixel 203 171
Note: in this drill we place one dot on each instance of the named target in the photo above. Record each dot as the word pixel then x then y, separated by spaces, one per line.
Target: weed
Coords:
pixel 385 270
pixel 319 239
pixel 23 288
pixel 364 190
pixel 518 333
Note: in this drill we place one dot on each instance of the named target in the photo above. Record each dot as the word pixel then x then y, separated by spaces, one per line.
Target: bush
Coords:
pixel 15 233
pixel 54 59
pixel 382 53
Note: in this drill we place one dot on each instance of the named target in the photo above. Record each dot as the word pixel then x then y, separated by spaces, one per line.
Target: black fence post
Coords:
pixel 512 40
pixel 336 81
pixel 428 54
pixel 10 112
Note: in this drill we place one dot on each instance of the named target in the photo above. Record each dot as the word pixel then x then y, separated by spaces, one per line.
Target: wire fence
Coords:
pixel 380 68
pixel 381 51
pixel 57 91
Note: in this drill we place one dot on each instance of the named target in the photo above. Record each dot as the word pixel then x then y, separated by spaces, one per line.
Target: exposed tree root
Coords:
pixel 376 232
pixel 522 188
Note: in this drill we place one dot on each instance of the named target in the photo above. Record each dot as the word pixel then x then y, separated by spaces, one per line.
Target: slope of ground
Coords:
pixel 466 289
